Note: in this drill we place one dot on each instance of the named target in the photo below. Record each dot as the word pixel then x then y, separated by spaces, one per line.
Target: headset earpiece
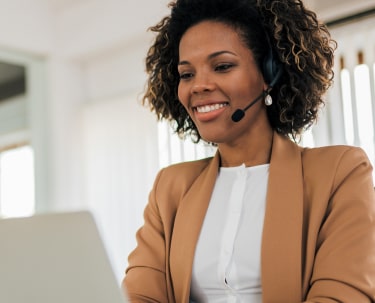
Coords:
pixel 272 69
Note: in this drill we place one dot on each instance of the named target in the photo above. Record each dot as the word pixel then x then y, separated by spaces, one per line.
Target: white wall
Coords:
pixel 94 58
pixel 120 151
pixel 26 25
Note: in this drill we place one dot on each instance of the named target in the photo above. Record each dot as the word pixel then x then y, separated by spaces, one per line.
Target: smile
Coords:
pixel 210 108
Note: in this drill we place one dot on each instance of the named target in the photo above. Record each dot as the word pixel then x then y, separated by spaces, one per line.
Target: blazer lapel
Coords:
pixel 282 232
pixel 188 222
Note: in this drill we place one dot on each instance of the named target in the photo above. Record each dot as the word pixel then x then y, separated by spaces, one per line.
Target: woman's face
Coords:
pixel 219 75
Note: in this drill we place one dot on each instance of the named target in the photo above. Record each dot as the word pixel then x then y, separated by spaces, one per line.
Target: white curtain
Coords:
pixel 351 100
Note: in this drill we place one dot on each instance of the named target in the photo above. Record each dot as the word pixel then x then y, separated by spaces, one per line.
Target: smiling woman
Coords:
pixel 263 220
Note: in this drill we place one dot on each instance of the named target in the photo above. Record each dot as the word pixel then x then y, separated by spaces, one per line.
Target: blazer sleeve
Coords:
pixel 344 265
pixel 145 279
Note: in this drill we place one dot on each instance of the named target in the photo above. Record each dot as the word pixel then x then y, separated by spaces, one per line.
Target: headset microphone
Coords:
pixel 240 113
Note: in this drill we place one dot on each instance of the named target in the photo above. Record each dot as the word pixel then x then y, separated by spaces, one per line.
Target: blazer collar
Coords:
pixel 282 233
pixel 282 230
pixel 188 223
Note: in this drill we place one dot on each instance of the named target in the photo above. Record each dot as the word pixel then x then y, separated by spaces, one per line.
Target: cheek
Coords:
pixel 182 95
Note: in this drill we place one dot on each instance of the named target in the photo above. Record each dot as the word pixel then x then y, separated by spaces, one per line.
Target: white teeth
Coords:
pixel 209 108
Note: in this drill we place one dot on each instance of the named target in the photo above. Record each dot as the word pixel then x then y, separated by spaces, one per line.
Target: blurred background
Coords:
pixel 73 133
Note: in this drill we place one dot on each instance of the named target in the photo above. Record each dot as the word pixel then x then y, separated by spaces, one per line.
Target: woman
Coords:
pixel 264 220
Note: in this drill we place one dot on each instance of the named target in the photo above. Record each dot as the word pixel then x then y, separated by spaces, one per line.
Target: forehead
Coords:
pixel 211 36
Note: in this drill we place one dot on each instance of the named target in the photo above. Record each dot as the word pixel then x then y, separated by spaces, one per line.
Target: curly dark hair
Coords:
pixel 300 42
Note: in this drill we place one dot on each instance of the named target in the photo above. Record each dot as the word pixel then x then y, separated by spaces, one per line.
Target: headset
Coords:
pixel 272 71
pixel 272 68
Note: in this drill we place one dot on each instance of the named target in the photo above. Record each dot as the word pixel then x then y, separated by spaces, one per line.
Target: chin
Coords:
pixel 212 139
pixel 215 136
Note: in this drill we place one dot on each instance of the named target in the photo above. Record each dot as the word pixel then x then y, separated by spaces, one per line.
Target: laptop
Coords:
pixel 55 258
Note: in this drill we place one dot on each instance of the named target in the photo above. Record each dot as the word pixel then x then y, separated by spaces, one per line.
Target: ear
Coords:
pixel 265 86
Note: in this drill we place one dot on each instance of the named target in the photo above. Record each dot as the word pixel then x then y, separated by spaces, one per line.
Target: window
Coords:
pixel 12 80
pixel 17 196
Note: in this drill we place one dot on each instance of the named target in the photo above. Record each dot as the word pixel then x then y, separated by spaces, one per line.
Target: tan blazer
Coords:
pixel 318 240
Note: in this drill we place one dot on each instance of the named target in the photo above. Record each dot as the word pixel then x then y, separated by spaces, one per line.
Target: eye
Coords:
pixel 186 76
pixel 223 67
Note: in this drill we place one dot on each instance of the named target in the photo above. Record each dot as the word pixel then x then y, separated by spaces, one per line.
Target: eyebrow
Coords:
pixel 211 56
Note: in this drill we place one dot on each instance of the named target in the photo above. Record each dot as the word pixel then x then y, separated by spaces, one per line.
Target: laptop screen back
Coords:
pixel 57 258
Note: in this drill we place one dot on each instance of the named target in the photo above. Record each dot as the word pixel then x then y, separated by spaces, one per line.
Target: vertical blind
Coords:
pixel 353 95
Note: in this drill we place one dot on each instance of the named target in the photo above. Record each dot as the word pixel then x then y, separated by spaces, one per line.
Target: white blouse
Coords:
pixel 226 265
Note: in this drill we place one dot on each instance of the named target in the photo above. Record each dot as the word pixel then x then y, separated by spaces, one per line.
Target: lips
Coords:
pixel 210 107
pixel 209 111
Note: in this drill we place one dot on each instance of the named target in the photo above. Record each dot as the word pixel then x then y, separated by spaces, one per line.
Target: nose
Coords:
pixel 202 83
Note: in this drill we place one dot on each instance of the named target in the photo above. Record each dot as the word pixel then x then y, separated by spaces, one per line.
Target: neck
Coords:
pixel 256 151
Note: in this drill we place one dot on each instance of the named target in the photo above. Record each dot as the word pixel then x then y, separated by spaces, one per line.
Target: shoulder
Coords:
pixel 334 155
pixel 181 174
pixel 186 170
pixel 334 164
pixel 190 167
pixel 172 184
